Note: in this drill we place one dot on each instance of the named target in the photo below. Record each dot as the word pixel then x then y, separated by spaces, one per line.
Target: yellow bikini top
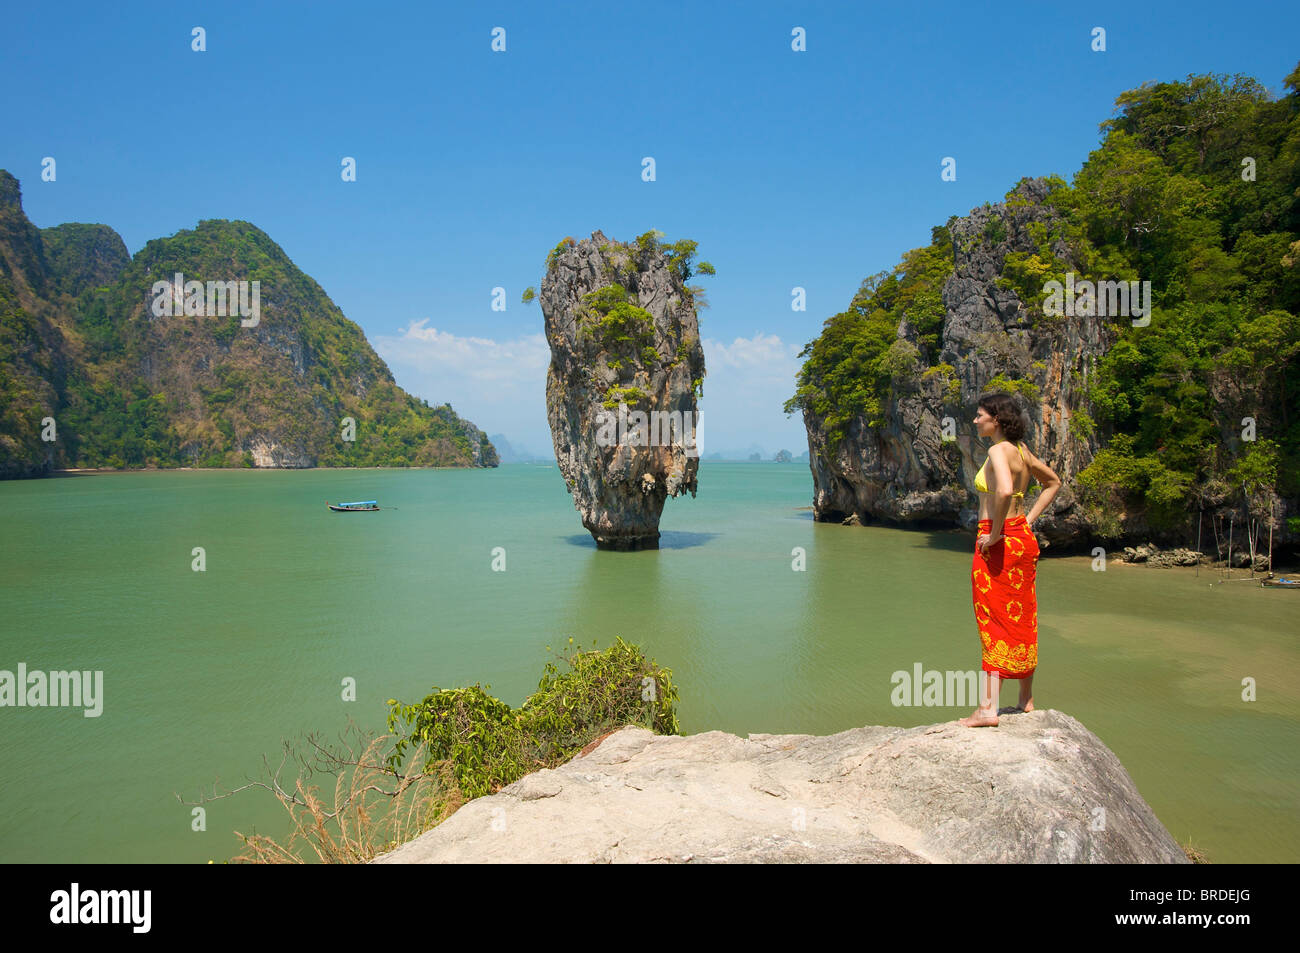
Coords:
pixel 984 487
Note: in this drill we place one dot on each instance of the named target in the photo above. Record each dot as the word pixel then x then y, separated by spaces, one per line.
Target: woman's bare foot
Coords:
pixel 1027 706
pixel 980 718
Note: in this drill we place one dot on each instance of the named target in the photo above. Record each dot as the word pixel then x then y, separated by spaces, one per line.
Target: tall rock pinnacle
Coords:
pixel 626 373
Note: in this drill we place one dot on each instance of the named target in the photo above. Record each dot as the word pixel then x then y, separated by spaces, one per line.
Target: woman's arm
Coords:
pixel 1050 481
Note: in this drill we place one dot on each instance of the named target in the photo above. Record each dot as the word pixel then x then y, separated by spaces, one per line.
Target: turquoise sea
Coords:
pixel 206 672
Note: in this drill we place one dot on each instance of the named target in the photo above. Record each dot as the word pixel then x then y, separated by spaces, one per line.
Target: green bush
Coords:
pixel 565 243
pixel 488 744
pixel 1081 424
pixel 1117 473
pixel 618 394
pixel 951 382
pixel 1013 385
pixel 995 230
pixel 899 362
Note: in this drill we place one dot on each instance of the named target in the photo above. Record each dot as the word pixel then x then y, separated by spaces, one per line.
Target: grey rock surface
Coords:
pixel 1152 555
pixel 1038 788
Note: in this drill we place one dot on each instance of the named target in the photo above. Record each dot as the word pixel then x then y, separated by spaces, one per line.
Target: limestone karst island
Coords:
pixel 623 334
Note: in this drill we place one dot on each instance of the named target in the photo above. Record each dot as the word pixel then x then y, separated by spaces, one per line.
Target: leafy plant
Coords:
pixel 620 394
pixel 488 744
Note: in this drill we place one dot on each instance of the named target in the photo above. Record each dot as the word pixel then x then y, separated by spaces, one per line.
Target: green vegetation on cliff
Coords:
pixel 1165 195
pixel 850 368
pixel 616 331
pixel 80 342
pixel 1195 188
pixel 84 256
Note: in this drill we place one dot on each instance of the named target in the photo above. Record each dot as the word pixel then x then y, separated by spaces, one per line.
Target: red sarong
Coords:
pixel 1006 608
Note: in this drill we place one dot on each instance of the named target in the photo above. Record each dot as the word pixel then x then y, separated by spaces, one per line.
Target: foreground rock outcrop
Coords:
pixel 626 372
pixel 1039 788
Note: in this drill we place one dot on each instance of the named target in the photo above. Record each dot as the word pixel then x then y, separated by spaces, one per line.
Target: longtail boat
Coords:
pixel 365 506
pixel 1280 582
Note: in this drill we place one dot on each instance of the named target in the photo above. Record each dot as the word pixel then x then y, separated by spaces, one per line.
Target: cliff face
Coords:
pixel 33 363
pixel 1039 788
pixel 482 453
pixel 22 254
pixel 905 471
pixel 267 374
pixel 622 329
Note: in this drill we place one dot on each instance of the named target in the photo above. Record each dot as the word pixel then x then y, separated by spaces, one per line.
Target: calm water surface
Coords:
pixel 205 672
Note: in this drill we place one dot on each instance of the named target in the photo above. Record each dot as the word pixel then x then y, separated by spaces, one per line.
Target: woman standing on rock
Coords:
pixel 1006 557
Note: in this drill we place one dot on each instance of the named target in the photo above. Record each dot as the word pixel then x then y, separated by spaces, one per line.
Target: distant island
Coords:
pixel 207 349
pixel 511 453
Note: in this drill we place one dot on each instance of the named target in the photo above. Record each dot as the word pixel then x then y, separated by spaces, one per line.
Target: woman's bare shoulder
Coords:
pixel 1038 467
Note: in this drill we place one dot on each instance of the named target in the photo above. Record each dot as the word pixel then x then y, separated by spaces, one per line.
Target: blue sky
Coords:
pixel 811 169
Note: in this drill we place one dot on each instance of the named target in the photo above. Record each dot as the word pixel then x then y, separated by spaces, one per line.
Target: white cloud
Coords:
pixel 746 383
pixel 761 351
pixel 428 349
pixel 501 385
pixel 498 385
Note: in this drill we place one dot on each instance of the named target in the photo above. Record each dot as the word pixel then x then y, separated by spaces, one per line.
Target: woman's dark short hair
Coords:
pixel 1006 411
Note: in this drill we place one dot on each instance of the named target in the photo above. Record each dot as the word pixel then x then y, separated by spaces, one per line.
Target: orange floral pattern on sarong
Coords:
pixel 1006 606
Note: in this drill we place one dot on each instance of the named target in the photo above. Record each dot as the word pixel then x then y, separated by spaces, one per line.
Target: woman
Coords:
pixel 1006 557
